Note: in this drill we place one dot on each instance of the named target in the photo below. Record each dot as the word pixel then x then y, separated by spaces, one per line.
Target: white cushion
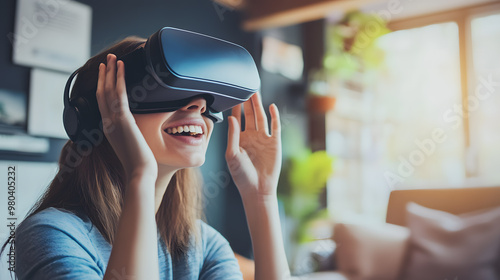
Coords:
pixel 370 251
pixel 446 246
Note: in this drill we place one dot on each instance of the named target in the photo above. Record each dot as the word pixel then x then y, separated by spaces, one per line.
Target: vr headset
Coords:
pixel 172 68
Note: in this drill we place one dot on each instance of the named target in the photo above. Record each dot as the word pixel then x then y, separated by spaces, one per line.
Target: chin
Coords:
pixel 197 162
pixel 184 163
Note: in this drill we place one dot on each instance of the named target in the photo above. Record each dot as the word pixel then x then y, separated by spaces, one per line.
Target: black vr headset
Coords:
pixel 172 68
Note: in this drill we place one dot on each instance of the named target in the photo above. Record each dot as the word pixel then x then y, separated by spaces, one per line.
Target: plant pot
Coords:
pixel 320 104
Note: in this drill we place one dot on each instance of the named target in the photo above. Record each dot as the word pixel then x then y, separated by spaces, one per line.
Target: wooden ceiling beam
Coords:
pixel 263 14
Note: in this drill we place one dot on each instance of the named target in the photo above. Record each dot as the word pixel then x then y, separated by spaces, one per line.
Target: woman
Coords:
pixel 130 208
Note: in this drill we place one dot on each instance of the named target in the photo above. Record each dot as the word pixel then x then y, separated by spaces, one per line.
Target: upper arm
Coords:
pixel 47 251
pixel 219 260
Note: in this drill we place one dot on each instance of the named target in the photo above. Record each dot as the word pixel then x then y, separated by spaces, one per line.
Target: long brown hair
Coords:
pixel 95 183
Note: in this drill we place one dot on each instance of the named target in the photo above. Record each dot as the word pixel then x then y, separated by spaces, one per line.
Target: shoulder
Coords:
pixel 208 231
pixel 219 261
pixel 211 237
pixel 55 228
pixel 57 219
pixel 55 215
pixel 55 242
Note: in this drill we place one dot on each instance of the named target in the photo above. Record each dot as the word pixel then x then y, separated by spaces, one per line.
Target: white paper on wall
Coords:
pixel 53 34
pixel 45 113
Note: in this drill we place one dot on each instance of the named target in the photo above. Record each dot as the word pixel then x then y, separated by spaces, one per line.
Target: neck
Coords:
pixel 165 174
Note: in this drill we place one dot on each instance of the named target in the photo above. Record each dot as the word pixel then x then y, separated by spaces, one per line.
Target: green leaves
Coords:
pixel 309 172
pixel 351 44
pixel 305 176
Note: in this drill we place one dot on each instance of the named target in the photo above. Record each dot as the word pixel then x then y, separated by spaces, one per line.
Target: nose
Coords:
pixel 198 104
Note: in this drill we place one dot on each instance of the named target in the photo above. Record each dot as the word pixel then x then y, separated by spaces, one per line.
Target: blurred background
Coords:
pixel 374 96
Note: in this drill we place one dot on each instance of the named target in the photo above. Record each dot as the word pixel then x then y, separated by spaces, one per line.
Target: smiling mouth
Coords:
pixel 186 130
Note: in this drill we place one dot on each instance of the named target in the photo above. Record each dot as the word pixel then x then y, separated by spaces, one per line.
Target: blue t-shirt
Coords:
pixel 56 244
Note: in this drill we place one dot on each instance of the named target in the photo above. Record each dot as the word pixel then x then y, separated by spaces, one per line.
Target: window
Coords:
pixel 485 99
pixel 429 118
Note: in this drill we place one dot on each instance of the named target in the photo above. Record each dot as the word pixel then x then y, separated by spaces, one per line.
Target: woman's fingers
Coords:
pixel 114 86
pixel 233 137
pixel 236 112
pixel 121 87
pixel 110 83
pixel 100 94
pixel 260 114
pixel 249 115
pixel 275 121
pixel 111 92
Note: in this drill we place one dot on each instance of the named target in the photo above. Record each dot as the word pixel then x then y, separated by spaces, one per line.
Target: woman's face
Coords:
pixel 166 134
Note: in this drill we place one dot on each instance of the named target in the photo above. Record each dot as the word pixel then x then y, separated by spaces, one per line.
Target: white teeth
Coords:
pixel 194 129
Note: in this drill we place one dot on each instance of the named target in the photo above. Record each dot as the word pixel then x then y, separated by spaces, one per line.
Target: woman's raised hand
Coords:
pixel 119 124
pixel 253 155
pixel 254 160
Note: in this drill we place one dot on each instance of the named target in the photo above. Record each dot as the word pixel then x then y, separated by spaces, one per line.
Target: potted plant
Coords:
pixel 321 99
pixel 350 49
pixel 304 178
